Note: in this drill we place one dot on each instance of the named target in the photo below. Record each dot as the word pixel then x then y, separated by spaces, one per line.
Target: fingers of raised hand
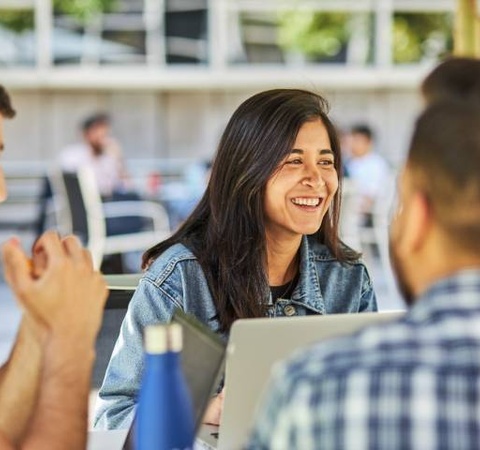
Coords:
pixel 39 261
pixel 102 289
pixel 52 252
pixel 87 256
pixel 75 251
pixel 48 251
pixel 17 266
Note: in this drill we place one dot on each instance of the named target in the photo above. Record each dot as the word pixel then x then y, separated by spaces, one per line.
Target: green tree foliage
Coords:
pixel 322 34
pixel 83 9
pixel 419 36
pixel 315 34
pixel 19 20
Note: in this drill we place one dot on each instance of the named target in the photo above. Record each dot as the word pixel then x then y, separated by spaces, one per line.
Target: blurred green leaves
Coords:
pixel 421 36
pixel 19 20
pixel 83 9
pixel 319 35
pixel 315 34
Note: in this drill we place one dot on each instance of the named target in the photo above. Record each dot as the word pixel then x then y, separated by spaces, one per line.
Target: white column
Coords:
pixel 383 33
pixel 218 35
pixel 155 36
pixel 43 33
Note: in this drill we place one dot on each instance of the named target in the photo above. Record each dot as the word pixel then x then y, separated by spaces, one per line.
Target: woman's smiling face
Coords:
pixel 300 192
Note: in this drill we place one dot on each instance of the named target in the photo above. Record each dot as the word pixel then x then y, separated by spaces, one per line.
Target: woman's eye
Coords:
pixel 326 162
pixel 294 161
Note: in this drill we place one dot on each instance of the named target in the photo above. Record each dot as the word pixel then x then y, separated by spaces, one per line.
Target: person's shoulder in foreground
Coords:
pixel 376 388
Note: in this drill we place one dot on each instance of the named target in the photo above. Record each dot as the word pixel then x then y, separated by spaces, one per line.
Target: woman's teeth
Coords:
pixel 306 201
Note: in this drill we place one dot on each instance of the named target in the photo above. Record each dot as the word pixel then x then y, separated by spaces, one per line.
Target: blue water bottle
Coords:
pixel 165 412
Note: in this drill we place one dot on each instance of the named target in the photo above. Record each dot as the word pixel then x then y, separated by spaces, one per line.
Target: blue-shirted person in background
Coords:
pixel 263 240
pixel 414 383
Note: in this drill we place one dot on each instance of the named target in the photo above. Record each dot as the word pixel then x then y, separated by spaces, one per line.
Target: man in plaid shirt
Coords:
pixel 413 383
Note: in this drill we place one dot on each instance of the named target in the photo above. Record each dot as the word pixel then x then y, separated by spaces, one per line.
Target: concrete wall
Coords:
pixel 180 124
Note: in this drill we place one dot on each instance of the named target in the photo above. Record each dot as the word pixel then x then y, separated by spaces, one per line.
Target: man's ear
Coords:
pixel 417 222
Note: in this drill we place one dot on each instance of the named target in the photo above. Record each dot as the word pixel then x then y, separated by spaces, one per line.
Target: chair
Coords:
pixel 349 217
pixel 80 211
pixel 121 289
pixel 363 237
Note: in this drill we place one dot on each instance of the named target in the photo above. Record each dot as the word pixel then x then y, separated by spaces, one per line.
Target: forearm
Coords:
pixel 19 382
pixel 61 415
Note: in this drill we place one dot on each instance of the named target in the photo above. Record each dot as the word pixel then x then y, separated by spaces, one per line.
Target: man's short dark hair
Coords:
pixel 444 158
pixel 94 120
pixel 6 108
pixel 453 79
pixel 362 129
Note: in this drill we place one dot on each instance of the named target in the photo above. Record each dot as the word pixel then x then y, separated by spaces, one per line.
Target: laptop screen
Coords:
pixel 202 362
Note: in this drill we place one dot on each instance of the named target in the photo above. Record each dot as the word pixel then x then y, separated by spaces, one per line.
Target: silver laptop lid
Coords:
pixel 255 345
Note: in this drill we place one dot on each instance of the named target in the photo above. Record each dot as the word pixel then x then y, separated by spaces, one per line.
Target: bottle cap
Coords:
pixel 175 337
pixel 156 339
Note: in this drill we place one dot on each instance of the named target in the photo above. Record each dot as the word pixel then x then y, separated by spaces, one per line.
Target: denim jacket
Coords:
pixel 175 279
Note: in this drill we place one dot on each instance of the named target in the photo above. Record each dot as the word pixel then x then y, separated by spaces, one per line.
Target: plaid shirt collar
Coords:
pixel 462 286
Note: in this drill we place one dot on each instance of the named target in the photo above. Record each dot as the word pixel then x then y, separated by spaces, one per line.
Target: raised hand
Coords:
pixel 58 287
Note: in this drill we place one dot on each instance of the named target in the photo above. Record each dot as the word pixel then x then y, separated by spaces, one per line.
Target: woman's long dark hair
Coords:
pixel 226 231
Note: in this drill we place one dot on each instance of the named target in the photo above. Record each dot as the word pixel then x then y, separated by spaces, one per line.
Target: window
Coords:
pixel 224 36
pixel 17 37
pixel 419 37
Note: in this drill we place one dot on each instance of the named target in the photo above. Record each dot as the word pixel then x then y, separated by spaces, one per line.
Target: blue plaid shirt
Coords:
pixel 410 384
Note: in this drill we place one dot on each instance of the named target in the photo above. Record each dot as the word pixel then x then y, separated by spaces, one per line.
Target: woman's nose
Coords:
pixel 313 177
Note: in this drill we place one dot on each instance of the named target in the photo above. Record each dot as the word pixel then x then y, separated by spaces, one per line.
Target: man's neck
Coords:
pixel 436 273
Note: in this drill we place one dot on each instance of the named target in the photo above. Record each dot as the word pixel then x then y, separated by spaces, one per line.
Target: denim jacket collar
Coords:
pixel 307 291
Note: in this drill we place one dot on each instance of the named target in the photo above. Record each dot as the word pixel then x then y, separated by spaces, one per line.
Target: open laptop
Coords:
pixel 202 359
pixel 253 348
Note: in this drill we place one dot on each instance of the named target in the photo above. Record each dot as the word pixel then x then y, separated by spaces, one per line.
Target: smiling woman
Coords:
pixel 267 226
pixel 307 181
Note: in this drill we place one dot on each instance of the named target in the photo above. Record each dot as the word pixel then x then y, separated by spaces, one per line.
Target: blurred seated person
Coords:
pixel 100 152
pixel 367 169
